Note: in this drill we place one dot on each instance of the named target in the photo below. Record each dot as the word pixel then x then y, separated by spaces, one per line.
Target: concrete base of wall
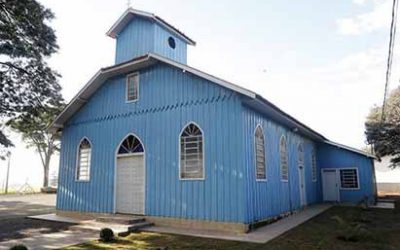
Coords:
pixel 167 221
pixel 199 224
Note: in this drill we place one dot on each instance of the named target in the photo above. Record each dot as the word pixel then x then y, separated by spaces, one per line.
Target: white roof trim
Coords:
pixel 354 150
pixel 206 76
pixel 129 13
pixel 103 74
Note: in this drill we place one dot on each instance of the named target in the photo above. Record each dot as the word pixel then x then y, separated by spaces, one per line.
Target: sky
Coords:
pixel 322 62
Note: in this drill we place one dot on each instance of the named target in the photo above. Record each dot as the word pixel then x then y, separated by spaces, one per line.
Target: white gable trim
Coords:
pixel 102 75
pixel 354 150
pixel 129 13
pixel 206 76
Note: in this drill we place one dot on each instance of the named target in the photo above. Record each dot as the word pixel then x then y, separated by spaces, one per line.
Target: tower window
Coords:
pixel 171 42
pixel 132 87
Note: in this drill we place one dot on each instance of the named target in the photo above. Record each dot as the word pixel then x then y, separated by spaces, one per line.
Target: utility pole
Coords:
pixel 8 171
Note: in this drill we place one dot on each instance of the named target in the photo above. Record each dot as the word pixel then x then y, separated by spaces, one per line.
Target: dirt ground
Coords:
pixel 15 208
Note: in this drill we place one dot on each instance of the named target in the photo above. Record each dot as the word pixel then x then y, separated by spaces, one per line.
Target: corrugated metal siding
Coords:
pixel 333 157
pixel 136 39
pixel 142 36
pixel 168 100
pixel 269 198
pixel 161 46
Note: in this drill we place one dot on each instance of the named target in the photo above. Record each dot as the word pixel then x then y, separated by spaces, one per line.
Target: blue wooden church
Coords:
pixel 153 136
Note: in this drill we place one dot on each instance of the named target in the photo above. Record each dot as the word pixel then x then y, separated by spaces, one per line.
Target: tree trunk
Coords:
pixel 46 169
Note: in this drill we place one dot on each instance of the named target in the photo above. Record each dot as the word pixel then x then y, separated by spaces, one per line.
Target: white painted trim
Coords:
pixel 206 76
pixel 115 170
pixel 179 153
pixel 280 159
pixel 354 150
pixel 77 160
pixel 77 98
pixel 112 31
pixel 337 178
pixel 340 179
pixel 255 153
pixel 126 87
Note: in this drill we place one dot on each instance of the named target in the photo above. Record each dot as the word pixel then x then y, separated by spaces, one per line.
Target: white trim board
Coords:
pixel 132 66
pixel 127 16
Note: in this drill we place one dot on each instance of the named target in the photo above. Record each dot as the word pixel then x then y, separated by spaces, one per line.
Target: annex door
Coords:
pixel 302 186
pixel 330 187
pixel 130 178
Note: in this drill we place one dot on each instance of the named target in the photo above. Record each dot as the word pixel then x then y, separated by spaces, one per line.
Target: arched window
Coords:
pixel 260 154
pixel 83 163
pixel 284 159
pixel 300 154
pixel 191 150
pixel 313 166
pixel 130 145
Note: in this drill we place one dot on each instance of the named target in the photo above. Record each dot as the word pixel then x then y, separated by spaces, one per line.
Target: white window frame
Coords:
pixel 127 86
pixel 77 165
pixel 280 159
pixel 255 154
pixel 340 179
pixel 314 174
pixel 179 153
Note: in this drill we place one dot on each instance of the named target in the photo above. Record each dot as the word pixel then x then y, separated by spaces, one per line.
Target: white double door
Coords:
pixel 130 184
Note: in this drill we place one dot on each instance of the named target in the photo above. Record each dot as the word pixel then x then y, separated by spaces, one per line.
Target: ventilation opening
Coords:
pixel 171 42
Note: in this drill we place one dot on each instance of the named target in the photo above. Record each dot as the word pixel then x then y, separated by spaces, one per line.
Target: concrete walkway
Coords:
pixel 52 241
pixel 260 235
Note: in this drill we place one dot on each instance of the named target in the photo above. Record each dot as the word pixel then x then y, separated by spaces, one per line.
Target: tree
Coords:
pixel 26 41
pixel 33 127
pixel 384 135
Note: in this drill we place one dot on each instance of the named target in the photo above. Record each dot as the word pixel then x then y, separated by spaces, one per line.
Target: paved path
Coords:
pixel 15 206
pixel 260 235
pixel 52 241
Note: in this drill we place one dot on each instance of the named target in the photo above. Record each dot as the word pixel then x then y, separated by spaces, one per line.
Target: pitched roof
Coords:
pixel 130 13
pixel 251 99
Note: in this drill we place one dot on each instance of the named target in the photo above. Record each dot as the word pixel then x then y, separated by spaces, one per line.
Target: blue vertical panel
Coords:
pixel 265 199
pixel 161 36
pixel 168 100
pixel 333 157
pixel 142 36
pixel 136 39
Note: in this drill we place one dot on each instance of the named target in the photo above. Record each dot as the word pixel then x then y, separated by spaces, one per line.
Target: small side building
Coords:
pixel 155 137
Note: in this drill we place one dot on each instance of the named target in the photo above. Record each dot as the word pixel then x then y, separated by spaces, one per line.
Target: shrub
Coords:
pixel 106 235
pixel 19 247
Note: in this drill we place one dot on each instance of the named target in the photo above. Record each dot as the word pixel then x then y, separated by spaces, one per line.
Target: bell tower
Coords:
pixel 138 33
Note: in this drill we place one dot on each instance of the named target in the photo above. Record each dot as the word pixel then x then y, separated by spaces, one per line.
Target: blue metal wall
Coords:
pixel 142 36
pixel 334 157
pixel 161 46
pixel 269 198
pixel 168 99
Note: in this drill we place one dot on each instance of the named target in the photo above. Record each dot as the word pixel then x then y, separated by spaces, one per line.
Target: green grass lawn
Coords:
pixel 367 229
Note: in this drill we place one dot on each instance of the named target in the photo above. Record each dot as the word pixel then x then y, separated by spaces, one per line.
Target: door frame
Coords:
pixel 302 173
pixel 116 165
pixel 337 179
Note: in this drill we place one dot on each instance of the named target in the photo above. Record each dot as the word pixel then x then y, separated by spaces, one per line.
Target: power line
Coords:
pixel 390 55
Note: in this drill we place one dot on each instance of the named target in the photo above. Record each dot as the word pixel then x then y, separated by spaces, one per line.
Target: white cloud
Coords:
pixel 367 22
